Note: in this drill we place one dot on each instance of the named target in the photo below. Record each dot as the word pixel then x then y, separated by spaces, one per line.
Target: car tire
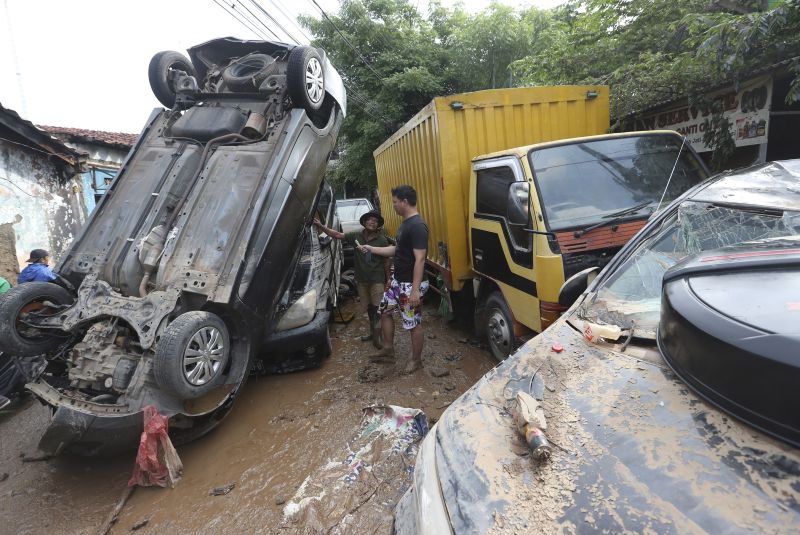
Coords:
pixel 499 327
pixel 15 338
pixel 192 355
pixel 305 78
pixel 161 65
pixel 247 73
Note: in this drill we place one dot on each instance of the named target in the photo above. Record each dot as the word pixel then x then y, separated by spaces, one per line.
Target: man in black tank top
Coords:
pixel 405 290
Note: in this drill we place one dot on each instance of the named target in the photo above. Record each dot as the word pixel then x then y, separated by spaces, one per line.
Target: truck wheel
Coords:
pixel 499 327
pixel 160 74
pixel 305 79
pixel 17 338
pixel 192 355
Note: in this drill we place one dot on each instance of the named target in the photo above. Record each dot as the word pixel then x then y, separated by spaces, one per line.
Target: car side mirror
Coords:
pixel 517 209
pixel 574 286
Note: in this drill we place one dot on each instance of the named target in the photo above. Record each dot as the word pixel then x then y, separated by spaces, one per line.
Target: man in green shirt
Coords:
pixel 372 271
pixel 4 285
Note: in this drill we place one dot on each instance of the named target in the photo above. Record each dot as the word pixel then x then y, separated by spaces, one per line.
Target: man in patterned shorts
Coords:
pixel 405 289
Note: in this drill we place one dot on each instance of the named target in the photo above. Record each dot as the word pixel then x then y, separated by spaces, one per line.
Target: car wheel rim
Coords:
pixel 499 333
pixel 204 356
pixel 315 85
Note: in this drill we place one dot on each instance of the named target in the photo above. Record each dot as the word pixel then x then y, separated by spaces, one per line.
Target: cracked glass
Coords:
pixel 631 296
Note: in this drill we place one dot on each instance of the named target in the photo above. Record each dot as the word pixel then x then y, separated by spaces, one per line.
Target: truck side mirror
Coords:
pixel 518 206
pixel 576 285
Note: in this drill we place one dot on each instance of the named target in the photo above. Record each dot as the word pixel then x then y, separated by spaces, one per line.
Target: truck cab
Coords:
pixel 541 214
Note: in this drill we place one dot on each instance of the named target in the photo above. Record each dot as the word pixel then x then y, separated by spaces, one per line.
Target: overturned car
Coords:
pixel 200 261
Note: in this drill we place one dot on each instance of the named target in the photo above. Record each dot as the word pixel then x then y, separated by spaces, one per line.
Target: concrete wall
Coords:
pixel 41 206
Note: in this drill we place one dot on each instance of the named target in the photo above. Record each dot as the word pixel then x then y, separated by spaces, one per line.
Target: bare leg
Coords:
pixel 387 324
pixel 387 353
pixel 417 341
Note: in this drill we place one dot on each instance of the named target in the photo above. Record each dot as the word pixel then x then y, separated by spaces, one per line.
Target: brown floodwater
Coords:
pixel 280 446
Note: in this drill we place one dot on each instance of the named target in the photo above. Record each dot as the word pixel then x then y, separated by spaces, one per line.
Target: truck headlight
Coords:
pixel 300 313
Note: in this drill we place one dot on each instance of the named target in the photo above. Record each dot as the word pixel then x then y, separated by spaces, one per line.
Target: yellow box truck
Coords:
pixel 522 190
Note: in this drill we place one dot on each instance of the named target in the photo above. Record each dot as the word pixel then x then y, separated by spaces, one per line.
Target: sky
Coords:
pixel 83 64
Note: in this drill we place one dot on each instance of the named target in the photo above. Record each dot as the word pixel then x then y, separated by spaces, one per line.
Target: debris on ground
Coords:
pixel 380 458
pixel 438 371
pixel 140 524
pixel 222 491
pixel 3 476
pixel 371 374
pixel 35 458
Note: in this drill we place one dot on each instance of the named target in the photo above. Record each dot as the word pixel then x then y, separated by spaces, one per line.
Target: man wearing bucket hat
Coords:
pixel 372 271
pixel 38 268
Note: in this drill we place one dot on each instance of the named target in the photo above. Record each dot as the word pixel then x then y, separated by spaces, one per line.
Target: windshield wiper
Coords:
pixel 612 218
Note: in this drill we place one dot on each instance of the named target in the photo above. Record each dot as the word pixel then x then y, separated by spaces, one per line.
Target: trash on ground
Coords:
pixel 140 524
pixel 157 462
pixel 380 457
pixel 222 491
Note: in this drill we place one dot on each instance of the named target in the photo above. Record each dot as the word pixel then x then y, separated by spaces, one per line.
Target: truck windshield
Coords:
pixel 580 184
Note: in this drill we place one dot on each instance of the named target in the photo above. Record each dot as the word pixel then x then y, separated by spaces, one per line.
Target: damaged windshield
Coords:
pixel 582 183
pixel 631 296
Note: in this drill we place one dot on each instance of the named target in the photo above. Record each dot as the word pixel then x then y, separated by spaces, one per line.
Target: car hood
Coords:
pixel 633 450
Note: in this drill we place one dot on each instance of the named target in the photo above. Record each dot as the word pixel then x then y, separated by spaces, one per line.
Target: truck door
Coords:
pixel 500 251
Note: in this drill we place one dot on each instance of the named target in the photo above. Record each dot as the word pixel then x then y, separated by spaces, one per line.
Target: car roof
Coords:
pixel 773 185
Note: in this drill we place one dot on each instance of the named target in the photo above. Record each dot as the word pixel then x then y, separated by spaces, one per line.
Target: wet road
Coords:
pixel 284 431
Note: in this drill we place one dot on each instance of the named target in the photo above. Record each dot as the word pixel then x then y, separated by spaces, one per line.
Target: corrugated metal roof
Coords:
pixel 119 139
pixel 44 141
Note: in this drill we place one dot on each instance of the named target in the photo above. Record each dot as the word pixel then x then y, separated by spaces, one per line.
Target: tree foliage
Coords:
pixel 394 60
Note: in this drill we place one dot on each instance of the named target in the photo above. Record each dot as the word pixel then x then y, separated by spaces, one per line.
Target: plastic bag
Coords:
pixel 157 462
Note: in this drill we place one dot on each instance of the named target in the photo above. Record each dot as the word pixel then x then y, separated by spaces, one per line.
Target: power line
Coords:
pixel 256 19
pixel 346 40
pixel 285 10
pixel 278 24
pixel 241 20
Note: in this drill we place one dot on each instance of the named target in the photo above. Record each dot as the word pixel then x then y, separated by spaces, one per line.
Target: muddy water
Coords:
pixel 283 430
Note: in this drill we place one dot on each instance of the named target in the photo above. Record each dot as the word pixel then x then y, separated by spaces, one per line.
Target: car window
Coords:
pixel 580 183
pixel 491 200
pixel 631 295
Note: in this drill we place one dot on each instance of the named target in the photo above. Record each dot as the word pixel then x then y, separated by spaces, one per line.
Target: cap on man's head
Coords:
pixel 367 215
pixel 37 254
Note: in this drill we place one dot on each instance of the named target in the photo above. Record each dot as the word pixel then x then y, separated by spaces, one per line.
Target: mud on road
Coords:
pixel 280 449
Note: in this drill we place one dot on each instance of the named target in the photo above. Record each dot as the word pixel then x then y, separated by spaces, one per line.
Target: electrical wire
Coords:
pixel 257 20
pixel 242 21
pixel 285 10
pixel 278 24
pixel 346 40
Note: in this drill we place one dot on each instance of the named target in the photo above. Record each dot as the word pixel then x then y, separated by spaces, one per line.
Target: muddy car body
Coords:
pixel 200 258
pixel 638 443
